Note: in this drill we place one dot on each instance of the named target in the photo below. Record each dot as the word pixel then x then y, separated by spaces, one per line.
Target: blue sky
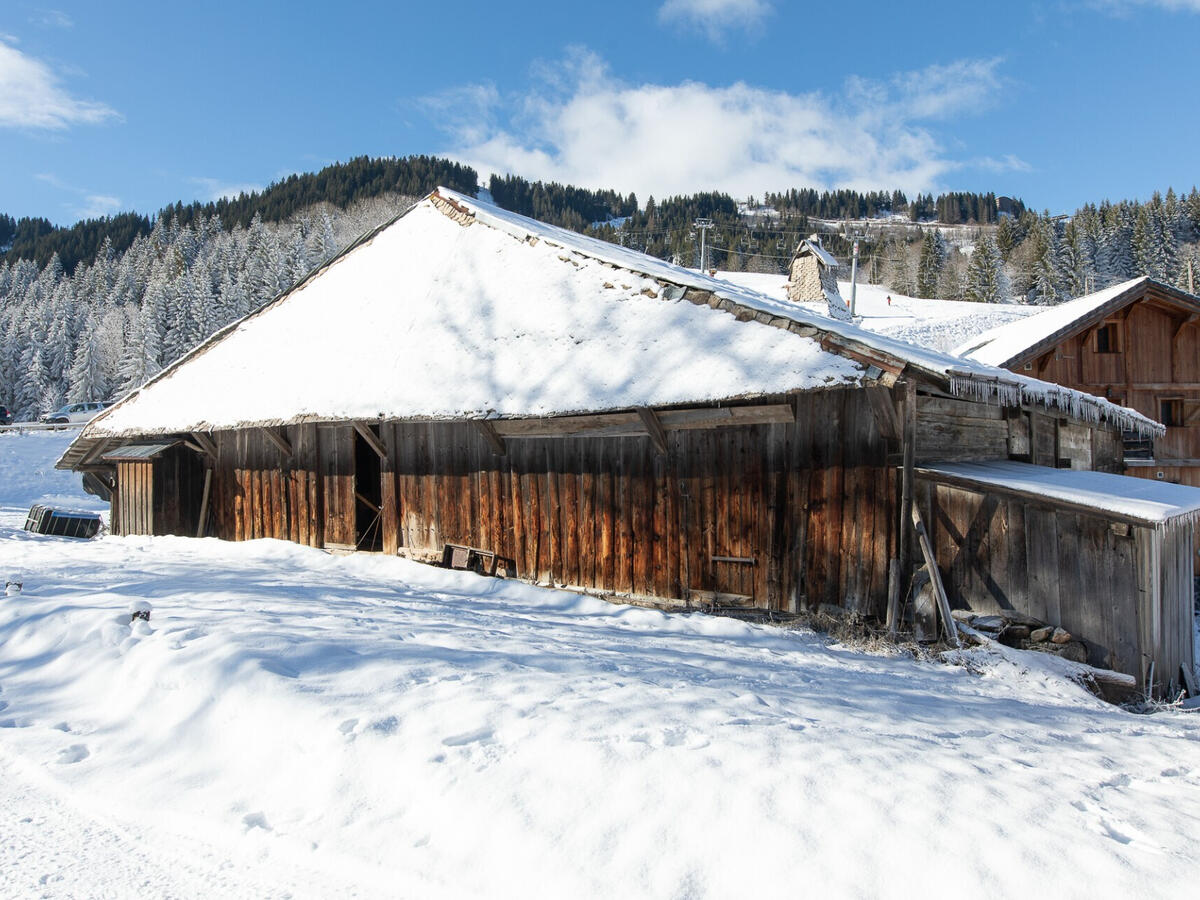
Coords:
pixel 133 105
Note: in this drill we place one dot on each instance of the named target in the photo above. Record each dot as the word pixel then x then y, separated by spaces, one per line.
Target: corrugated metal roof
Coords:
pixel 137 451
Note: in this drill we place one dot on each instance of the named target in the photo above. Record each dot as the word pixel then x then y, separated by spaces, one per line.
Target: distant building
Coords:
pixel 812 278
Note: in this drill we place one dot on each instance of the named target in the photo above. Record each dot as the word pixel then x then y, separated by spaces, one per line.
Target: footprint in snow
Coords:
pixel 256 820
pixel 468 737
pixel 73 754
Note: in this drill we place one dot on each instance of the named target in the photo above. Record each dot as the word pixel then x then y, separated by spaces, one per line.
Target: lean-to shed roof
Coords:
pixel 459 309
pixel 1137 500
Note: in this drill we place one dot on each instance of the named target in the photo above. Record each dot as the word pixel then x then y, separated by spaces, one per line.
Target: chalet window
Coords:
pixel 1170 411
pixel 1108 338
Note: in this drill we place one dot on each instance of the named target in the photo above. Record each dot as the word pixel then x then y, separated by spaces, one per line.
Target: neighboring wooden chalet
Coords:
pixel 1137 344
pixel 607 421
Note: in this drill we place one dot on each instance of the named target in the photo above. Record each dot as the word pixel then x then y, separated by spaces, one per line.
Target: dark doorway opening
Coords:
pixel 368 496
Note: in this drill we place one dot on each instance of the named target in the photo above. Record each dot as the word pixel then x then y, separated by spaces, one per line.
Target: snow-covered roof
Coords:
pixel 813 246
pixel 460 309
pixel 1019 341
pixel 927 322
pixel 1141 499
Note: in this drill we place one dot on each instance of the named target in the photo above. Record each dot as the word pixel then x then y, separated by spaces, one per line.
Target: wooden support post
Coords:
pixel 372 440
pixel 1189 680
pixel 936 577
pixel 654 428
pixel 203 521
pixel 893 601
pixel 488 430
pixel 206 443
pixel 278 440
pixel 905 550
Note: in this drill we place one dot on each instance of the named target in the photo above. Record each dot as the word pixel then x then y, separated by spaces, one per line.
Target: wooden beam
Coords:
pixel 95 453
pixel 630 424
pixel 203 520
pixel 207 445
pixel 892 366
pixel 654 428
pixel 1181 324
pixel 488 430
pixel 278 440
pixel 372 440
pixel 936 576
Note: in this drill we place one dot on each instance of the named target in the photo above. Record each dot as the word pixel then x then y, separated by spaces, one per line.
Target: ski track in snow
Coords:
pixel 290 723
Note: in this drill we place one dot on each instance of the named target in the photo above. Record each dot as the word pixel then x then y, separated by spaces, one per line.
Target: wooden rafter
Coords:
pixel 278 440
pixel 654 428
pixel 206 443
pixel 372 440
pixel 488 430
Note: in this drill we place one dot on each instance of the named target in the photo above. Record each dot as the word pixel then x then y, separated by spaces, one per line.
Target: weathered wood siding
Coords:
pixel 781 515
pixel 133 509
pixel 1125 591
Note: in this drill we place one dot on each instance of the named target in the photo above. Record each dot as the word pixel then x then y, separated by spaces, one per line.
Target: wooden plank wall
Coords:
pixel 134 504
pixel 781 515
pixel 804 513
pixel 1061 567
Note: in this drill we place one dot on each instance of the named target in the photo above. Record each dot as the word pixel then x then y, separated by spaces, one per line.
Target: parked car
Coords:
pixel 74 412
pixel 6 417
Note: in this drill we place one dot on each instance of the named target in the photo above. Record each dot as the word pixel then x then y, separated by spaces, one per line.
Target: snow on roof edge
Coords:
pixel 1154 503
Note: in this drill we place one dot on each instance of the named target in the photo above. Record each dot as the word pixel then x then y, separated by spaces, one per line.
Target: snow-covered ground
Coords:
pixel 939 324
pixel 290 723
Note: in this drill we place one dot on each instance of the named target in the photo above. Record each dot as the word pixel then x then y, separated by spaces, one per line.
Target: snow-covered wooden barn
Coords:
pixel 604 420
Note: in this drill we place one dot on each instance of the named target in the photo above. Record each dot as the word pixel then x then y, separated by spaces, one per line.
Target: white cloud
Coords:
pixel 32 97
pixel 88 204
pixel 213 189
pixel 715 17
pixel 52 18
pixel 1007 163
pixel 1124 7
pixel 96 205
pixel 590 129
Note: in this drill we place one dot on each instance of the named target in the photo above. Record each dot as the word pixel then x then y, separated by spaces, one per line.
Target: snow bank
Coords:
pixel 366 726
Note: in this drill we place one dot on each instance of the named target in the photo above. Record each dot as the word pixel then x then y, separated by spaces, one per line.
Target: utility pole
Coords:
pixel 856 238
pixel 702 225
pixel 853 277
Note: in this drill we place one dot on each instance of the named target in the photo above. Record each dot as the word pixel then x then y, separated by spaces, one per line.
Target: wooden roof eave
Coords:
pixel 1083 323
pixel 1157 291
